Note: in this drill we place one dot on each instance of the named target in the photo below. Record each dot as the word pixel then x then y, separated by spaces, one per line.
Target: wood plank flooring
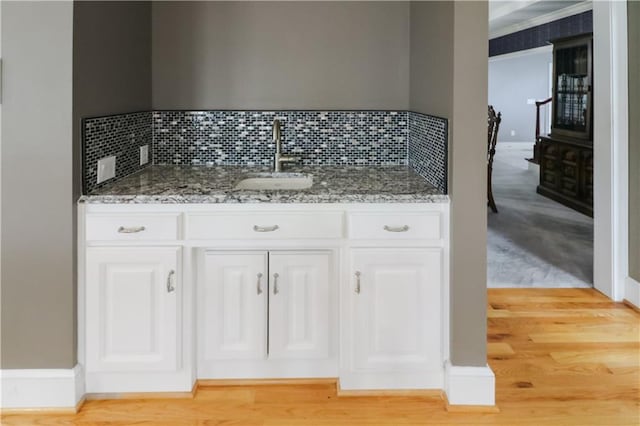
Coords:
pixel 561 357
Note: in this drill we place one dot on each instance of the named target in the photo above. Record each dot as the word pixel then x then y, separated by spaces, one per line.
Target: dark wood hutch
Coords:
pixel 566 154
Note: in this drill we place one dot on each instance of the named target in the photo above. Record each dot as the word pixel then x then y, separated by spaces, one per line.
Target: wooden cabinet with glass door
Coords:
pixel 566 157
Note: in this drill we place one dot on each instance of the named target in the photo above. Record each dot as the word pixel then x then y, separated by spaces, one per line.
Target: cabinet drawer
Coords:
pixel 230 226
pixel 393 226
pixel 132 227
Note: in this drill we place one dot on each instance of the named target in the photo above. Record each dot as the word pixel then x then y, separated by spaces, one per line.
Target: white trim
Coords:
pixel 535 51
pixel 1 93
pixel 632 292
pixel 80 295
pixel 42 388
pixel 620 161
pixel 610 148
pixel 470 385
pixel 136 382
pixel 425 380
pixel 539 20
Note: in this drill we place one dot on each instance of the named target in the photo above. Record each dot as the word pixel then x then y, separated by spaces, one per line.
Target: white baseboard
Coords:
pixel 424 380
pixel 632 292
pixel 138 382
pixel 42 388
pixel 470 385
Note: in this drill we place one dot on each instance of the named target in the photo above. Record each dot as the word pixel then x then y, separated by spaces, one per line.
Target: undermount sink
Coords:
pixel 276 181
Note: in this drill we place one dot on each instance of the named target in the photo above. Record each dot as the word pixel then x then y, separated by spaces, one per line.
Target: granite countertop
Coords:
pixel 205 184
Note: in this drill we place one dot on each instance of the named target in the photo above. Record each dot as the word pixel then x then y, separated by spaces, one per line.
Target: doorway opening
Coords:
pixel 533 239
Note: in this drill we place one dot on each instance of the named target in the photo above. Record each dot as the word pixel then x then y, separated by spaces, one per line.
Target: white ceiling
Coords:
pixel 506 17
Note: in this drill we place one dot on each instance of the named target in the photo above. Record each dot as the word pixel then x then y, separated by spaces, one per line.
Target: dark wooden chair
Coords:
pixel 492 138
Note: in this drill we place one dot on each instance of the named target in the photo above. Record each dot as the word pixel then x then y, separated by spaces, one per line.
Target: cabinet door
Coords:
pixel 395 309
pixel 232 306
pixel 132 310
pixel 299 304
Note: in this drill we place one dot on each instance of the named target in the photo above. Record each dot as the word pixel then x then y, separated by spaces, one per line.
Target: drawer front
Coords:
pixel 230 226
pixel 133 227
pixel 403 226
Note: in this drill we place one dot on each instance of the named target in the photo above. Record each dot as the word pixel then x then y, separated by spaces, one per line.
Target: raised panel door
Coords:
pixel 232 306
pixel 132 313
pixel 299 304
pixel 395 305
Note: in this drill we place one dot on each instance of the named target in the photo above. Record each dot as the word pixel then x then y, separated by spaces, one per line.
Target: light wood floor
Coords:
pixel 561 357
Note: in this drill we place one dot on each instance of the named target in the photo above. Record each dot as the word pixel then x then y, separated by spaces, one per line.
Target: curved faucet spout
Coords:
pixel 277 135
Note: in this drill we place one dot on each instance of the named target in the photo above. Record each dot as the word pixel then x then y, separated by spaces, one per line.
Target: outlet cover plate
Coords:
pixel 144 154
pixel 106 168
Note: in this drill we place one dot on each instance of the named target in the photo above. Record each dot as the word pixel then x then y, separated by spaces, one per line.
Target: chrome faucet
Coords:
pixel 279 157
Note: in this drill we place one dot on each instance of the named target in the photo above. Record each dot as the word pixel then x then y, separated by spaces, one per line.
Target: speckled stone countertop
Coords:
pixel 331 184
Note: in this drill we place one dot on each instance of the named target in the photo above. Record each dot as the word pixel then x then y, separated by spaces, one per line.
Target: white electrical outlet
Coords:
pixel 144 154
pixel 513 133
pixel 106 168
pixel 531 101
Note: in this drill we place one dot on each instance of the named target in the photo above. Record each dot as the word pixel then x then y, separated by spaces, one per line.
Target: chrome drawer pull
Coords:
pixel 275 283
pixel 404 228
pixel 259 285
pixel 170 287
pixel 265 228
pixel 357 282
pixel 132 230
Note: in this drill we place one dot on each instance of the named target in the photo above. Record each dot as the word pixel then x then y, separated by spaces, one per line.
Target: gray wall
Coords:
pixel 454 86
pixel 634 139
pixel 512 81
pixel 280 55
pixel 38 309
pixel 468 185
pixel 111 63
pixel 432 37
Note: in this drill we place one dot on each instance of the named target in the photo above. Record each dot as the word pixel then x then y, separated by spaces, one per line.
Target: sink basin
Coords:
pixel 276 181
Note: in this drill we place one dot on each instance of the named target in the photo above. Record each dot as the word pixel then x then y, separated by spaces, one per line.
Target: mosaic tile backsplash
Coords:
pixel 242 138
pixel 428 148
pixel 245 138
pixel 120 135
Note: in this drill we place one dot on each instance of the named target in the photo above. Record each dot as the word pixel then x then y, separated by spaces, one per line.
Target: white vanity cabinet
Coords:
pixel 258 309
pixel 132 315
pixel 392 300
pixel 174 293
pixel 134 293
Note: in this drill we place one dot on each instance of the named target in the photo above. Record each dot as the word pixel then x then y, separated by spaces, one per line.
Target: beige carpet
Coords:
pixel 534 241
